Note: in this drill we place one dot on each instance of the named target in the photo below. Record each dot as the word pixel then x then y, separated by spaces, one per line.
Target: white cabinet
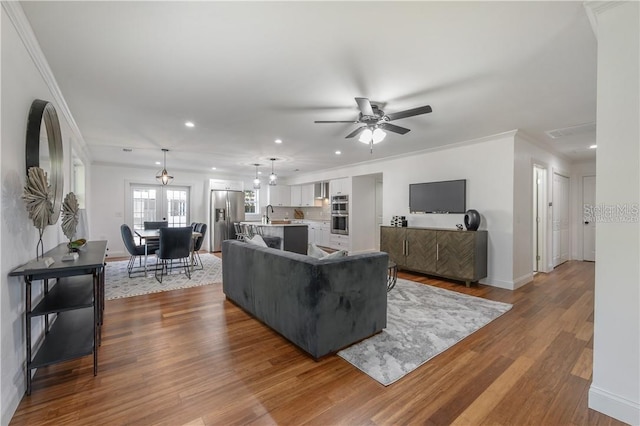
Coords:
pixel 302 195
pixel 319 233
pixel 280 195
pixel 339 242
pixel 296 195
pixel 311 239
pixel 233 185
pixel 340 186
pixel 323 235
pixel 306 195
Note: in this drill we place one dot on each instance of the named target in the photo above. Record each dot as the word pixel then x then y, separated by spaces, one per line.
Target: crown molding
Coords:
pixel 16 15
pixel 594 8
pixel 527 137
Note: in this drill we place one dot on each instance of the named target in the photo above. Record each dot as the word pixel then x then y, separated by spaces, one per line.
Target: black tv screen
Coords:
pixel 438 197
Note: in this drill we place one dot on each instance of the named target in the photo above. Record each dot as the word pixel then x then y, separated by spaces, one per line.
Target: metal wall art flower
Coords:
pixel 70 209
pixel 38 201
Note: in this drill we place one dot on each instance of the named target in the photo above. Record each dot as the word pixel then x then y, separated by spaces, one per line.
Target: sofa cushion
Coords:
pixel 257 241
pixel 335 255
pixel 315 251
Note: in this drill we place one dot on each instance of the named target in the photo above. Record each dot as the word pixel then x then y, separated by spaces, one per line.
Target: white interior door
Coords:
pixel 539 219
pixel 588 218
pixel 560 222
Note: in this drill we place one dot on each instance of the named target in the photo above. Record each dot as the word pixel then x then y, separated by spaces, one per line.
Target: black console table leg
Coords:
pixel 27 302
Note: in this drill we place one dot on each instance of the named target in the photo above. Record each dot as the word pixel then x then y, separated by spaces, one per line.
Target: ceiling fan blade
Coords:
pixel 324 121
pixel 393 128
pixel 365 106
pixel 356 132
pixel 409 113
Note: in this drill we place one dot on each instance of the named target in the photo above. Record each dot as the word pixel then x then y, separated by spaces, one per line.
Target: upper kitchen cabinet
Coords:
pixel 280 195
pixel 340 186
pixel 230 185
pixel 302 195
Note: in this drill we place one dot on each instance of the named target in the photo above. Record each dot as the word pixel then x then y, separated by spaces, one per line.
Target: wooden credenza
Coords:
pixel 458 255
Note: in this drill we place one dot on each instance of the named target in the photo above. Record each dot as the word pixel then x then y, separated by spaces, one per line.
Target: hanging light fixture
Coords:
pixel 256 181
pixel 372 137
pixel 273 179
pixel 163 176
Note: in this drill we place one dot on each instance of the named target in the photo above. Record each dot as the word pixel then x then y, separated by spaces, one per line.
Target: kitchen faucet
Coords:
pixel 267 211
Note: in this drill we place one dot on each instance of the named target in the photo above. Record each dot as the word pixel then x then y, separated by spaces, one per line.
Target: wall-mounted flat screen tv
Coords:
pixel 438 197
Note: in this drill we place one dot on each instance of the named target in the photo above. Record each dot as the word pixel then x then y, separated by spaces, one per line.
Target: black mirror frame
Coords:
pixel 44 111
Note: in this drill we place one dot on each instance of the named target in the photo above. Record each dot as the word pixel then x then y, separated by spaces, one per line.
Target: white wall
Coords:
pixel 615 389
pixel 22 82
pixel 109 186
pixel 527 154
pixel 489 190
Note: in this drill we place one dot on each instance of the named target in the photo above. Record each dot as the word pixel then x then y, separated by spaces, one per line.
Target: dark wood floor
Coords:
pixel 191 357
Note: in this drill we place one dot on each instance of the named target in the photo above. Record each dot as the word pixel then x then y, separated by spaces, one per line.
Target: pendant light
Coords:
pixel 256 181
pixel 163 176
pixel 273 179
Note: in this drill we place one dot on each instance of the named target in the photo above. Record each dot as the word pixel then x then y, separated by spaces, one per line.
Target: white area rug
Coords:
pixel 422 321
pixel 118 284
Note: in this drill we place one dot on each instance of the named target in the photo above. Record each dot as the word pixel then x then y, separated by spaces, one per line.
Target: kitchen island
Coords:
pixel 293 236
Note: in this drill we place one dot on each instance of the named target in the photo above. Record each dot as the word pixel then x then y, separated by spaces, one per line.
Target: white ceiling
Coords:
pixel 247 73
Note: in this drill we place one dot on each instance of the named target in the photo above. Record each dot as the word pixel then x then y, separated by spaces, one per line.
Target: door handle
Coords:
pixel 586 222
pixel 437 252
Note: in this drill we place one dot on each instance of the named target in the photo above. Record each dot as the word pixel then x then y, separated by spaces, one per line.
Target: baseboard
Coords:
pixel 614 406
pixel 507 285
pixel 523 280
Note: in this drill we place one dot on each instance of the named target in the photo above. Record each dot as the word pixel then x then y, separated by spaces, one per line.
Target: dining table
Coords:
pixel 147 235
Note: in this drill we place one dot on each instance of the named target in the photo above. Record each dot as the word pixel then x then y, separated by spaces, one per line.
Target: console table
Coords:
pixel 76 299
pixel 454 254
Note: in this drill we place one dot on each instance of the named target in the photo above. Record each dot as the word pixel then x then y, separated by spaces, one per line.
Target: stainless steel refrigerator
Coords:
pixel 227 207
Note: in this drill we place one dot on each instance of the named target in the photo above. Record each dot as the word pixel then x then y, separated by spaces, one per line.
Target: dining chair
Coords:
pixel 197 244
pixel 175 244
pixel 240 235
pixel 152 246
pixel 135 250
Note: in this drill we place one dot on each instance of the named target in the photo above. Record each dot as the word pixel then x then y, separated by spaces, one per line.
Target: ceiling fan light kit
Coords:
pixel 377 123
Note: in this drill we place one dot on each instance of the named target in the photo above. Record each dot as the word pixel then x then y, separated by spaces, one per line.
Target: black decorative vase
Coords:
pixel 472 220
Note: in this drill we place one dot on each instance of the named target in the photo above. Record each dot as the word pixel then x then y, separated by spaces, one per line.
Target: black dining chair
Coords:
pixel 175 244
pixel 135 250
pixel 152 245
pixel 197 244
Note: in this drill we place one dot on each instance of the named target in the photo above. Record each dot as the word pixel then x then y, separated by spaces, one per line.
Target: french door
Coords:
pixel 156 202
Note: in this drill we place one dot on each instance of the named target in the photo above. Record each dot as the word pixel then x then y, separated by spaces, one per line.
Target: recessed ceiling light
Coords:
pixel 278 141
pixel 259 173
pixel 338 152
pixel 213 168
pixel 189 124
pixel 158 163
pixel 593 146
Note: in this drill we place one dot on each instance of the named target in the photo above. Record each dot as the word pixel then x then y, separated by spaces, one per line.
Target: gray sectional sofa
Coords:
pixel 319 305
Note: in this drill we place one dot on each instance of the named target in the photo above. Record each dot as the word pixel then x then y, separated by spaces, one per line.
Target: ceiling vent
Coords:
pixel 580 129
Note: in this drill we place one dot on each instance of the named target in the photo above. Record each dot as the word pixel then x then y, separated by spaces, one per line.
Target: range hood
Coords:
pixel 321 190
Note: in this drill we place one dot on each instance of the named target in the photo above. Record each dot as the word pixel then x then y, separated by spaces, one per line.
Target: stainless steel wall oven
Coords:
pixel 340 214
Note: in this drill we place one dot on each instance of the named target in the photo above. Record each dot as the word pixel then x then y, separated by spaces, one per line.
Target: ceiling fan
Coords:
pixel 376 120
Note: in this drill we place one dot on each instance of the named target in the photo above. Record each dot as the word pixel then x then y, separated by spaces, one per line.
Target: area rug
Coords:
pixel 422 321
pixel 118 284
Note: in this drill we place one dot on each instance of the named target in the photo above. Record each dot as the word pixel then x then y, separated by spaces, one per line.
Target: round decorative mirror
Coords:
pixel 44 149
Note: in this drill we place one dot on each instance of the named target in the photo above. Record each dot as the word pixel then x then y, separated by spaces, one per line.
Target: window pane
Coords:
pixel 250 201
